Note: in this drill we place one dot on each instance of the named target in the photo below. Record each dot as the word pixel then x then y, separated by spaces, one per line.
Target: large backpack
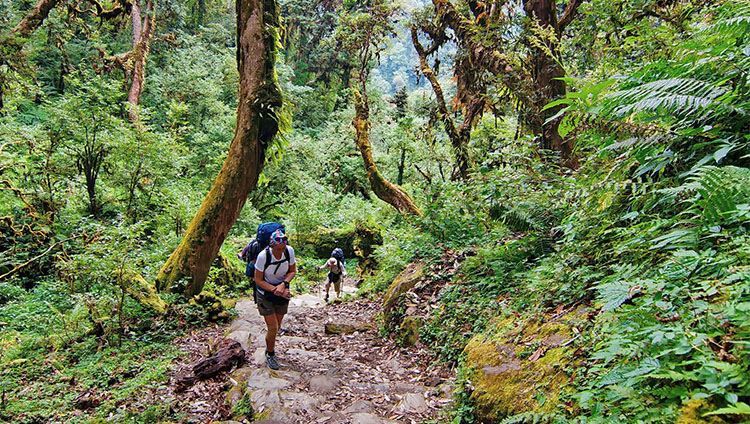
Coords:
pixel 338 254
pixel 252 250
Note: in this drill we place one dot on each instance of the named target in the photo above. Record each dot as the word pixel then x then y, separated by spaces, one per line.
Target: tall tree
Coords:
pixel 257 124
pixel 546 74
pixel 532 80
pixel 461 134
pixel 143 30
pixel 362 32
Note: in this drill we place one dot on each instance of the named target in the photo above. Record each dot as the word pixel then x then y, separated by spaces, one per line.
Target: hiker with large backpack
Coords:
pixel 273 266
pixel 336 269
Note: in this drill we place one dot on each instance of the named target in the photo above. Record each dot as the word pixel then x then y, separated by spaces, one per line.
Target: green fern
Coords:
pixel 682 97
pixel 721 190
pixel 525 216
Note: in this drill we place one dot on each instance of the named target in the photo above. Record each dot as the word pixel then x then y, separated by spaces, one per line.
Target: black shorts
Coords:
pixel 334 278
pixel 271 307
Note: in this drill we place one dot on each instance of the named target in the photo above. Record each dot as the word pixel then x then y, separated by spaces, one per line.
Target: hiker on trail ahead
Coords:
pixel 275 267
pixel 336 270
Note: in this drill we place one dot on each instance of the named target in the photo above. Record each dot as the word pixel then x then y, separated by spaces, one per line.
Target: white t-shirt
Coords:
pixel 272 275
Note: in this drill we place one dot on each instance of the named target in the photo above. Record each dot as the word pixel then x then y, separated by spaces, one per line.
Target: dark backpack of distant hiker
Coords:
pixel 338 254
pixel 252 250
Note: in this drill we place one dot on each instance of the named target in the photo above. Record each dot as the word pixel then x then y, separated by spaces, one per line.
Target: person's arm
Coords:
pixel 260 281
pixel 290 274
pixel 343 269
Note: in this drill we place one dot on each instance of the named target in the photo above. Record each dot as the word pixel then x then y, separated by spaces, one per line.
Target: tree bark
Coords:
pixel 542 73
pixel 401 165
pixel 143 30
pixel 257 124
pixel 384 189
pixel 34 18
pixel 459 137
pixel 546 72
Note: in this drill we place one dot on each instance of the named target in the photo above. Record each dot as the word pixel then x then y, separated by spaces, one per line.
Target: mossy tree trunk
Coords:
pixel 546 74
pixel 257 124
pixel 384 189
pixel 34 18
pixel 143 30
pixel 458 135
pixel 534 83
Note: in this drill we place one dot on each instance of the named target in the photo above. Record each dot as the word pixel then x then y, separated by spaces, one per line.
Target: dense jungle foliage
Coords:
pixel 589 160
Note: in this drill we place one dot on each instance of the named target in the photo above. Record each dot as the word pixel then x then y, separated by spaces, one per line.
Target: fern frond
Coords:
pixel 736 26
pixel 525 216
pixel 683 97
pixel 721 190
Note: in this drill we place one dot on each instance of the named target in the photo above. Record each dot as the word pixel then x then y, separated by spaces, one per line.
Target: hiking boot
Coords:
pixel 271 361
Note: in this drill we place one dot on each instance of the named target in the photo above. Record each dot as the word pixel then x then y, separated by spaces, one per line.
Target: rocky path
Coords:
pixel 358 377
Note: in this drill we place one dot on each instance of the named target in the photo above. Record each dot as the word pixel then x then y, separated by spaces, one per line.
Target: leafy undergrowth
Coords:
pixel 65 362
pixel 650 235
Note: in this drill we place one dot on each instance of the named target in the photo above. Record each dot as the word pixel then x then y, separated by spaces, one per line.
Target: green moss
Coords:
pixel 404 282
pixel 408 332
pixel 692 413
pixel 143 291
pixel 358 240
pixel 226 278
pixel 519 368
pixel 215 307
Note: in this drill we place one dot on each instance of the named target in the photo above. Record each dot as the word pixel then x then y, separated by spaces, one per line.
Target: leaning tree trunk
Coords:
pixel 34 18
pixel 459 137
pixel 384 189
pixel 25 28
pixel 257 111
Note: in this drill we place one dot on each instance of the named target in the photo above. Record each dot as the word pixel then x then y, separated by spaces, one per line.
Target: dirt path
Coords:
pixel 334 378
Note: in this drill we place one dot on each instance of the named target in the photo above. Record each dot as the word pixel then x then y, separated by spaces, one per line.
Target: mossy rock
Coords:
pixel 216 308
pixel 403 282
pixel 408 332
pixel 518 367
pixel 358 240
pixel 239 398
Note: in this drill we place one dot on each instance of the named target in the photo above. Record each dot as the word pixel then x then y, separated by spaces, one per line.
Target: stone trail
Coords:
pixel 332 378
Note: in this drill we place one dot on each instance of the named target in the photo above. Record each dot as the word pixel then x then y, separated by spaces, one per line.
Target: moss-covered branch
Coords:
pixel 384 189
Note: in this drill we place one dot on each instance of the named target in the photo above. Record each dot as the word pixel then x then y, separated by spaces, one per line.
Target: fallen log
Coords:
pixel 230 355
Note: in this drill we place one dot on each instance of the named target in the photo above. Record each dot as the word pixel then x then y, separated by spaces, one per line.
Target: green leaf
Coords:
pixel 613 294
pixel 558 102
pixel 740 408
pixel 723 152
